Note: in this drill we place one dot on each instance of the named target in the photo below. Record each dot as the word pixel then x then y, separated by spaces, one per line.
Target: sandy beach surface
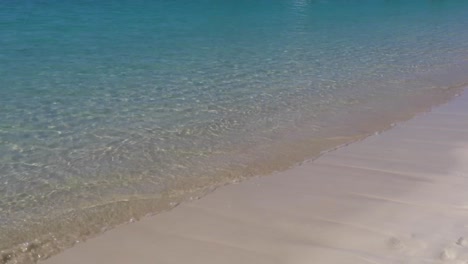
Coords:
pixel 400 196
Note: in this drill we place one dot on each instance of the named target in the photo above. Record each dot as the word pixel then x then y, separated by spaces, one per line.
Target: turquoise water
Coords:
pixel 113 109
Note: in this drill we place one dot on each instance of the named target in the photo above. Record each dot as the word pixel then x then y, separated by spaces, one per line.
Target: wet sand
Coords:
pixel 396 197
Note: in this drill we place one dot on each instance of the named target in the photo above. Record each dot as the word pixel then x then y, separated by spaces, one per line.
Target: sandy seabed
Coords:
pixel 396 197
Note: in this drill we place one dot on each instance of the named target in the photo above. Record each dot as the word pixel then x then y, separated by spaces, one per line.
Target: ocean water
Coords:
pixel 111 110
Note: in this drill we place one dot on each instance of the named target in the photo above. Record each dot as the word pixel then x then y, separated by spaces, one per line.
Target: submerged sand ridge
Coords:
pixel 396 197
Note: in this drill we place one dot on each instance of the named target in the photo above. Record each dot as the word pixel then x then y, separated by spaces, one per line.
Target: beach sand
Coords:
pixel 400 196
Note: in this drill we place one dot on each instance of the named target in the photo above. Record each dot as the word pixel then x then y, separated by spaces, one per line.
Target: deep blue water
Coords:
pixel 104 102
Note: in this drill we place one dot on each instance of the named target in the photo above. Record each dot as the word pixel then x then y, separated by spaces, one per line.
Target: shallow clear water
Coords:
pixel 105 103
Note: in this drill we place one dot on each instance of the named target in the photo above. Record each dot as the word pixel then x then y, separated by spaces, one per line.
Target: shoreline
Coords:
pixel 63 231
pixel 377 212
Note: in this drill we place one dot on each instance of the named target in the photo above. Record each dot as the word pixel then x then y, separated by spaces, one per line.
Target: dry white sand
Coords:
pixel 397 197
